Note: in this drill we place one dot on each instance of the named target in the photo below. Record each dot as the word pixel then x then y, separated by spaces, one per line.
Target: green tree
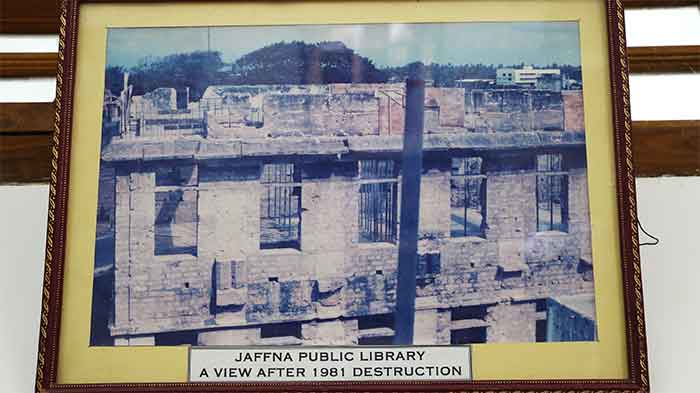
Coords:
pixel 301 63
pixel 196 70
pixel 114 79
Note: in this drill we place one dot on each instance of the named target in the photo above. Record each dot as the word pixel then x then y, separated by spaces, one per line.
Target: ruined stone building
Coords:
pixel 270 215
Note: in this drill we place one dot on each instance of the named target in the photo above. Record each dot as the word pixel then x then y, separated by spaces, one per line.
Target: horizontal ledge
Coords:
pixel 29 117
pixel 24 158
pixel 21 65
pixel 666 147
pixel 29 25
pixel 664 59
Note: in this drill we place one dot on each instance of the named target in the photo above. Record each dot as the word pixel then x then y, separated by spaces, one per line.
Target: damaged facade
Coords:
pixel 270 215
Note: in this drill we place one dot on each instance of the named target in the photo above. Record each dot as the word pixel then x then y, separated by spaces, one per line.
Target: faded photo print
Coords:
pixel 252 180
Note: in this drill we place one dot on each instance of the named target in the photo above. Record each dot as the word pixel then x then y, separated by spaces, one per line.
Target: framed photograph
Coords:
pixel 342 196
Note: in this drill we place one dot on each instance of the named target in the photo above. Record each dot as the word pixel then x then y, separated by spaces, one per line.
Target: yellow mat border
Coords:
pixel 605 359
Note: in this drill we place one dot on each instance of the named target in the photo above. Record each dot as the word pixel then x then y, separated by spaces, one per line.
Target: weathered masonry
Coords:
pixel 292 239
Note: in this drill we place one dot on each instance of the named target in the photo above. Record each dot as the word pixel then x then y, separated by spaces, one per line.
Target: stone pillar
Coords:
pixel 121 252
pixel 324 333
pixel 351 330
pixel 511 323
pixel 329 228
pixel 443 336
pixel 579 211
pixel 426 327
pixel 142 216
pixel 229 213
pixel 134 240
pixel 329 216
pixel 435 199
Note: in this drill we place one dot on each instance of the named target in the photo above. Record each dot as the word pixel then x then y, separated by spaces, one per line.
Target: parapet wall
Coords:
pixel 520 110
pixel 334 109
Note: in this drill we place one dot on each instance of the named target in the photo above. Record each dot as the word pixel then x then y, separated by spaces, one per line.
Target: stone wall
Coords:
pixel 334 114
pixel 159 100
pixel 567 322
pixel 573 110
pixel 333 275
pixel 333 109
pixel 498 110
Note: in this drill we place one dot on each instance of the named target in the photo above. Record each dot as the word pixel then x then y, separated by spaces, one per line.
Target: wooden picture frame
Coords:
pixel 68 157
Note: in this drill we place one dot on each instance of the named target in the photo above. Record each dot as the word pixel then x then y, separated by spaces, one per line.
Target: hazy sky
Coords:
pixel 538 43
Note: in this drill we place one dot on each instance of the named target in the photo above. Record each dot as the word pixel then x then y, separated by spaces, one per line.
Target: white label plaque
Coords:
pixel 330 364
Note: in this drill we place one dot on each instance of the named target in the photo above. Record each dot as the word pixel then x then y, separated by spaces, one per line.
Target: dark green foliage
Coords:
pixel 114 79
pixel 300 63
pixel 196 70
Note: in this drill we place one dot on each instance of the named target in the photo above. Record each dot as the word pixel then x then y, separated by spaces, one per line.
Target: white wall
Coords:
pixel 668 208
pixel 23 214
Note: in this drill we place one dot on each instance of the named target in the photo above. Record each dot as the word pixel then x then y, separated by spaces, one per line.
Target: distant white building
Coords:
pixel 527 76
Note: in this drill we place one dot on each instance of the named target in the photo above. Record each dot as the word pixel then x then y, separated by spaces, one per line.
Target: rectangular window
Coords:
pixel 280 209
pixel 176 217
pixel 468 197
pixel 286 329
pixel 376 329
pixel 475 335
pixel 552 194
pixel 378 201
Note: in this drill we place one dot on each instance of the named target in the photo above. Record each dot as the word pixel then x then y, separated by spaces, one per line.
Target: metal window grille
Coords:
pixel 552 194
pixel 468 197
pixel 378 201
pixel 280 210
